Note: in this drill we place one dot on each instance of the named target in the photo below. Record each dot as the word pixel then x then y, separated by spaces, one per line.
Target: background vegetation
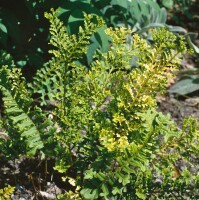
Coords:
pixel 24 30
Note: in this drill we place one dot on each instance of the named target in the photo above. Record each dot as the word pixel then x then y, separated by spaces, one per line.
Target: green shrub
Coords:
pixel 101 124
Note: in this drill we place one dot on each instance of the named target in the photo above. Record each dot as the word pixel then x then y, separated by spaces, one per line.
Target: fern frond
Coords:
pixel 70 47
pixel 6 192
pixel 51 80
pixel 6 59
pixel 17 105
pixel 156 62
pixel 12 81
pixel 47 128
pixel 22 122
pixel 48 81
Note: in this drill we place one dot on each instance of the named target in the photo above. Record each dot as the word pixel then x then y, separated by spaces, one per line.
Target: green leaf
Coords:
pixel 126 179
pixel 152 4
pixel 123 178
pixel 185 86
pixel 140 193
pixel 19 117
pixel 25 123
pixel 63 12
pixel 135 10
pixel 117 190
pixel 13 109
pixel 192 35
pixel 29 132
pixel 189 37
pixel 90 194
pixel 91 49
pixel 186 175
pixel 123 4
pixel 11 22
pixel 95 194
pixel 151 25
pixel 105 190
pixel 3 34
pixel 167 3
pixel 162 18
pixel 6 59
pixel 177 29
pixel 21 63
pixel 31 152
pixel 119 176
pixel 3 27
pixel 144 8
pixel 89 174
pixel 103 39
pixel 98 41
pixel 87 193
pixel 75 21
pixel 101 176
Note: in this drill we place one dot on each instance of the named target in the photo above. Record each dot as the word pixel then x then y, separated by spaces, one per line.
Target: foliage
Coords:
pixel 134 14
pixel 103 128
pixel 186 85
pixel 182 13
pixel 17 107
pixel 32 124
pixel 6 192
pixel 24 30
pixel 139 15
pixel 182 5
pixel 72 47
pixel 185 13
pixel 70 195
pixel 24 34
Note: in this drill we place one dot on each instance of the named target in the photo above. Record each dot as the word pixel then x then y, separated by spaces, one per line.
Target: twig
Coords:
pixel 32 180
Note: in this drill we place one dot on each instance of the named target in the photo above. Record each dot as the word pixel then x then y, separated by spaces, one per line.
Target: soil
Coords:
pixel 180 107
pixel 32 178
